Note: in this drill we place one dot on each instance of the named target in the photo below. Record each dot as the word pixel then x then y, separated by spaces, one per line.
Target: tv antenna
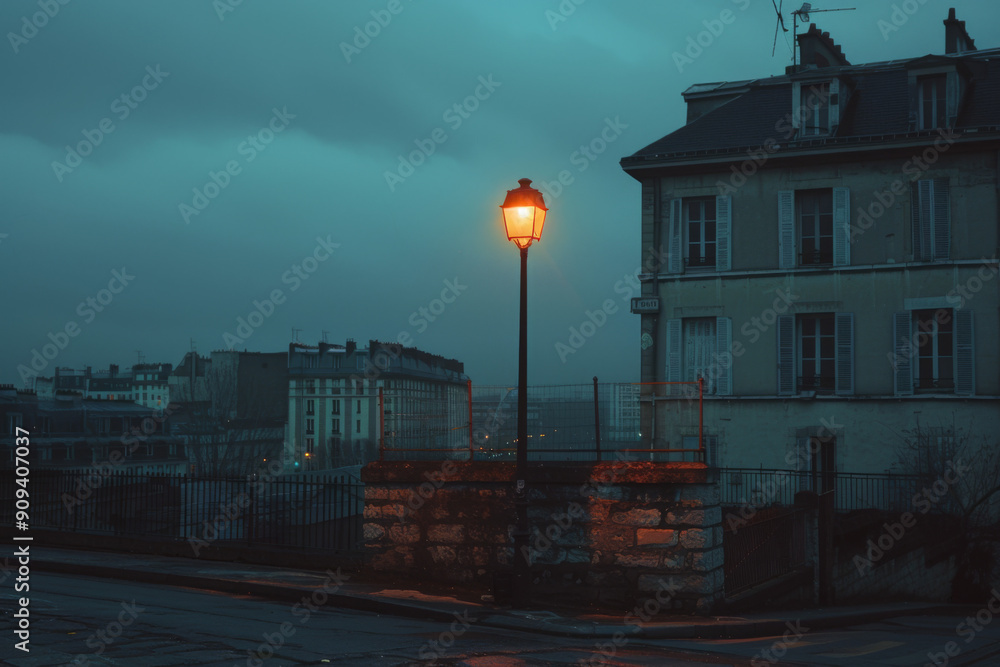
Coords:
pixel 780 23
pixel 326 334
pixel 802 13
pixel 295 335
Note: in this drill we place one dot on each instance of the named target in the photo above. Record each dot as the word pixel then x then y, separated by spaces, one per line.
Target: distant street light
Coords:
pixel 523 218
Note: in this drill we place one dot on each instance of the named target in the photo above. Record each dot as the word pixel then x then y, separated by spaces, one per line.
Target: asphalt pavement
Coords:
pixel 348 590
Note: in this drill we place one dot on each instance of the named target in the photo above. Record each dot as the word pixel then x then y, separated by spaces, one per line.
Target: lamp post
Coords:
pixel 523 218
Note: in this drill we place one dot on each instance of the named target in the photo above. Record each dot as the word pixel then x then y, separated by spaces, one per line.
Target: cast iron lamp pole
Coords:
pixel 523 216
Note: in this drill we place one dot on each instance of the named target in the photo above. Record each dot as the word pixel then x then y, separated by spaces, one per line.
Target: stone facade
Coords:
pixel 613 534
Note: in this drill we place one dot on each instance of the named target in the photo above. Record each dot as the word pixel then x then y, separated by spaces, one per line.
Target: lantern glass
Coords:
pixel 524 214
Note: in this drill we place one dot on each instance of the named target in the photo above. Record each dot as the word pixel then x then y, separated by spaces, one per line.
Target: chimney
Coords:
pixel 351 346
pixel 956 39
pixel 818 50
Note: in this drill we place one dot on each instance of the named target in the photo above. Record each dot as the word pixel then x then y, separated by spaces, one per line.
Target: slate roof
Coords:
pixel 879 105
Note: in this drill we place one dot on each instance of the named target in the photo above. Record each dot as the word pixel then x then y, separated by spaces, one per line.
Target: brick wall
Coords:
pixel 618 534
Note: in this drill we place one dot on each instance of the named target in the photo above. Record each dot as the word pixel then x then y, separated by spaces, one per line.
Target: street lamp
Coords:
pixel 523 218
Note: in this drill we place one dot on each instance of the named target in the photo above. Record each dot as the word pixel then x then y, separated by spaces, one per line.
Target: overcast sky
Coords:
pixel 117 113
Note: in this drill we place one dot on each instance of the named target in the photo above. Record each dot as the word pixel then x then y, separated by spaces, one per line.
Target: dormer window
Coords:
pixel 817 106
pixel 932 102
pixel 817 113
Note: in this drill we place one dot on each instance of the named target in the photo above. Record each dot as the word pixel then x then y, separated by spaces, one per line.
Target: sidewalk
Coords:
pixel 295 585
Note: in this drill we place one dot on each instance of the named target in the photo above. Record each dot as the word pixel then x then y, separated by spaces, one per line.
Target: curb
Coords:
pixel 735 629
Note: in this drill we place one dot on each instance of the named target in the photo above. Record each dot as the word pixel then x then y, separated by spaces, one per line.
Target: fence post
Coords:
pixel 701 419
pixel 597 421
pixel 468 386
pixel 381 425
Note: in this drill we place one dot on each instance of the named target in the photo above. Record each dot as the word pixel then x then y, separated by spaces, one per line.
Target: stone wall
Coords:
pixel 617 534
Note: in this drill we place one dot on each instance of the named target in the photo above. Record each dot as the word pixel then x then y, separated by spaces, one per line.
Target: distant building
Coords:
pixel 821 249
pixel 72 432
pixel 333 408
pixel 151 385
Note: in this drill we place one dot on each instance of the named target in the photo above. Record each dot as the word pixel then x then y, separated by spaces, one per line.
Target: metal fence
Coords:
pixel 300 512
pixel 578 422
pixel 771 546
pixel 852 491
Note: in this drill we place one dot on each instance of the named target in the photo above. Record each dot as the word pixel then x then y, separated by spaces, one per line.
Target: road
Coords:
pixel 103 622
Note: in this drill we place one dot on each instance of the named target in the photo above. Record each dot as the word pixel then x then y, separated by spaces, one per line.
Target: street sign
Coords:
pixel 646 304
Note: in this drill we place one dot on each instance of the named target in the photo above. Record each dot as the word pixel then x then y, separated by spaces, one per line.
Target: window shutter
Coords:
pixel 786 355
pixel 920 213
pixel 844 336
pixel 724 357
pixel 723 230
pixel 965 357
pixel 951 97
pixel 834 105
pixel 841 227
pixel 786 229
pixel 941 203
pixel 674 254
pixel 902 350
pixel 673 370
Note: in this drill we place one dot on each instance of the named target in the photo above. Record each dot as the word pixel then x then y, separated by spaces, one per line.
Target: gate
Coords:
pixel 769 546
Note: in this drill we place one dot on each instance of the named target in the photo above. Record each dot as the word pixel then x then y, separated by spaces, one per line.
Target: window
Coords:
pixel 931 102
pixel 699 229
pixel 359 387
pixel 934 351
pixel 335 425
pixel 14 422
pixel 700 347
pixel 173 450
pixel 336 407
pixel 698 234
pixel 309 445
pixel 814 228
pixel 357 428
pixel 930 206
pixel 310 426
pixel 816 353
pixel 70 453
pixel 359 406
pixel 815 217
pixel 816 107
pixel 934 368
pixel 310 407
pixel 310 386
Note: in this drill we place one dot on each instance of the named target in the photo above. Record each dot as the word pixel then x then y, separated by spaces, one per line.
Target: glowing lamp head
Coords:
pixel 524 214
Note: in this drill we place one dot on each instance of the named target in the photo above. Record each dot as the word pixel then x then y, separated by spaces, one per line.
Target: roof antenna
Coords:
pixel 804 12
pixel 780 22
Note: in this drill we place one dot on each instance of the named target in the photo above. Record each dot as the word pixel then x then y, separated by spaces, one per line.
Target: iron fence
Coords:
pixel 889 492
pixel 771 546
pixel 300 512
pixel 577 422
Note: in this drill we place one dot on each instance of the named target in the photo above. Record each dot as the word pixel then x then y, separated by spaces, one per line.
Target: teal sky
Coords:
pixel 228 143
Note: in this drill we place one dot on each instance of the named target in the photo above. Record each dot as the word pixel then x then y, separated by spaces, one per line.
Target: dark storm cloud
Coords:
pixel 205 125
